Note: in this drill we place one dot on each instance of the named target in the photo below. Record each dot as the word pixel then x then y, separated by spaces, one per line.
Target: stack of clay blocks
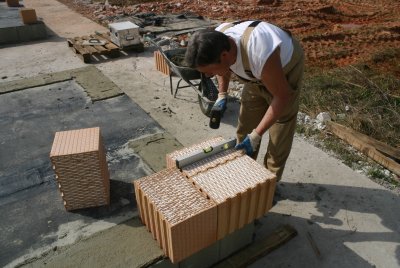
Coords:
pixel 234 189
pixel 180 218
pixel 242 189
pixel 161 64
pixel 80 165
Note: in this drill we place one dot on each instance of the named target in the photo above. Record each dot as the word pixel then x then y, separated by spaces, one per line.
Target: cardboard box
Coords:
pixel 28 15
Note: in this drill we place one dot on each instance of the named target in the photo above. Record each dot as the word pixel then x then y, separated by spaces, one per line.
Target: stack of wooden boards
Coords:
pixel 189 209
pixel 79 161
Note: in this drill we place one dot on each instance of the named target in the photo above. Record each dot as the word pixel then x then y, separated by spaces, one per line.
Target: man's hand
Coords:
pixel 250 143
pixel 220 103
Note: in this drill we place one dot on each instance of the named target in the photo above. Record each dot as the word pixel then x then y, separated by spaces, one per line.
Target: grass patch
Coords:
pixel 361 99
pixel 358 98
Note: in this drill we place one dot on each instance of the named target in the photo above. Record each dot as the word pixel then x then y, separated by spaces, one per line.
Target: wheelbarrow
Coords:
pixel 205 88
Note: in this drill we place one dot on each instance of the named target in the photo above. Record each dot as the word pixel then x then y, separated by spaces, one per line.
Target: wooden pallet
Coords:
pixel 86 53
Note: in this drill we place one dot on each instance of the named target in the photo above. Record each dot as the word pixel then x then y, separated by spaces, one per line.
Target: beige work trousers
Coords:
pixel 254 104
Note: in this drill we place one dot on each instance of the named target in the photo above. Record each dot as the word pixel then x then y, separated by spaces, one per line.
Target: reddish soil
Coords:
pixel 332 32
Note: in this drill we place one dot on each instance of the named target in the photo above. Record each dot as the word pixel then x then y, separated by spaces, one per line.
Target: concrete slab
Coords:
pixel 29 119
pixel 56 16
pixel 97 89
pixel 130 236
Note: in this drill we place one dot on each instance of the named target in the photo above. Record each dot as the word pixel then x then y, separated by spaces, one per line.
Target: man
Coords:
pixel 271 62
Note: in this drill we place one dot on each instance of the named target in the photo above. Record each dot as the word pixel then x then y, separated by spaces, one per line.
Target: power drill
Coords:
pixel 215 116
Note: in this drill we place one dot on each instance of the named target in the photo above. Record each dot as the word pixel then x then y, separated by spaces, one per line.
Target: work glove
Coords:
pixel 250 143
pixel 220 103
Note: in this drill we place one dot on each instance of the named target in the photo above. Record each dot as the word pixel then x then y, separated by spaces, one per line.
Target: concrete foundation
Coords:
pixel 30 118
pixel 216 252
pixel 13 30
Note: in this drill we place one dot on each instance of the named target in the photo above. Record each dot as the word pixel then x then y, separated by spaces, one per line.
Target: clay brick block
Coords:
pixel 28 15
pixel 180 218
pixel 80 165
pixel 13 3
pixel 161 64
pixel 242 188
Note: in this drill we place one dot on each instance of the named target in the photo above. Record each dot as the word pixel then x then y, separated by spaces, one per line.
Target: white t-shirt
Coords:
pixel 263 40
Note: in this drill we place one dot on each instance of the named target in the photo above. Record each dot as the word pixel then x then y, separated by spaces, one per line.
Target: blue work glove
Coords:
pixel 250 143
pixel 220 103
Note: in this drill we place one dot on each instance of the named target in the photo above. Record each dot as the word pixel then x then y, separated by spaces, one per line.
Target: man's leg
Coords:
pixel 281 134
pixel 252 109
pixel 280 144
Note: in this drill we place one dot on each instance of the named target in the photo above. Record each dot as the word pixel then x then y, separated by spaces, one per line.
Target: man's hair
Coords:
pixel 205 47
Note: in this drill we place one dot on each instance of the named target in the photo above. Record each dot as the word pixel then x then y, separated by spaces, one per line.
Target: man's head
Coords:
pixel 207 52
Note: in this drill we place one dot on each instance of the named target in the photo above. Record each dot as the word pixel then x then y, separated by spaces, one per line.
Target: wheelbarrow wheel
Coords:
pixel 209 94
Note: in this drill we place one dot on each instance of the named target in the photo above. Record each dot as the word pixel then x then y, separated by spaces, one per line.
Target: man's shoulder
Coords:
pixel 223 25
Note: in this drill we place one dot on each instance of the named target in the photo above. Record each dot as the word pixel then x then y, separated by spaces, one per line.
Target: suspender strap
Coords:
pixel 243 44
pixel 229 25
pixel 243 48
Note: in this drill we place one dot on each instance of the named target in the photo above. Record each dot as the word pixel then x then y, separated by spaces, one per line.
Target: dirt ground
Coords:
pixel 333 33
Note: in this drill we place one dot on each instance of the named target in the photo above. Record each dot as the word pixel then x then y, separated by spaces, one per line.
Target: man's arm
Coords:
pixel 223 82
pixel 274 79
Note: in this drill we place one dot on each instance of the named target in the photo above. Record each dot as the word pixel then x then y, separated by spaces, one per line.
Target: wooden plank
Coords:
pixel 113 50
pixel 254 251
pixel 100 48
pixel 91 49
pixel 82 53
pixel 110 45
pixel 391 152
pixel 358 141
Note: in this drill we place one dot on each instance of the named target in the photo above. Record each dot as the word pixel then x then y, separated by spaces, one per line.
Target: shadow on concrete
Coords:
pixel 121 196
pixel 336 230
pixel 52 38
pixel 330 199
